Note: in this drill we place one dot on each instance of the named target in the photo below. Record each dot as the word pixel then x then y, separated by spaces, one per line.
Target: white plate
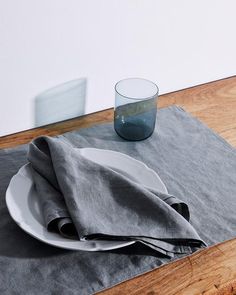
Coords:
pixel 21 199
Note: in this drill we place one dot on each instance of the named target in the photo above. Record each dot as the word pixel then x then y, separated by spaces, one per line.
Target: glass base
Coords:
pixel 132 132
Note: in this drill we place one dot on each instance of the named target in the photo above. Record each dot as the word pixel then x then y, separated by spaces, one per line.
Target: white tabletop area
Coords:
pixel 43 44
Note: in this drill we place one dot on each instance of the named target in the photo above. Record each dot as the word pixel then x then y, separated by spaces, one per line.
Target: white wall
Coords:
pixel 43 43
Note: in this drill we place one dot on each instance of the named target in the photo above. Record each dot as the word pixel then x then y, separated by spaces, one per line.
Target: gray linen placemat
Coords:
pixel 196 165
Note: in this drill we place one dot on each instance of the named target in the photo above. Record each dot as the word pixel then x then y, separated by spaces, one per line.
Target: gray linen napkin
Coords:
pixel 80 198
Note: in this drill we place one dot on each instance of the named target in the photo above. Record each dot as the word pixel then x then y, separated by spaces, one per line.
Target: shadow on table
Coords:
pixel 106 132
pixel 102 136
pixel 138 249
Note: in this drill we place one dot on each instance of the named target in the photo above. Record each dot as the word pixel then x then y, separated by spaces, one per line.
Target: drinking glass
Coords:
pixel 135 108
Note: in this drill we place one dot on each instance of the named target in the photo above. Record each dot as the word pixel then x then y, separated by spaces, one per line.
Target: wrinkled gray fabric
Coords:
pixel 99 202
pixel 197 166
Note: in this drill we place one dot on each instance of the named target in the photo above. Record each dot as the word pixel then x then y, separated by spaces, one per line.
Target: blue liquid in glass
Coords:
pixel 135 121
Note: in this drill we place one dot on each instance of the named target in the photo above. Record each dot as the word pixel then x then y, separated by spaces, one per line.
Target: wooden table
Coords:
pixel 212 270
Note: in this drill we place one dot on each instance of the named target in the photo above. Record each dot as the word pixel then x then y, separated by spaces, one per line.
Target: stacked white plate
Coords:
pixel 22 199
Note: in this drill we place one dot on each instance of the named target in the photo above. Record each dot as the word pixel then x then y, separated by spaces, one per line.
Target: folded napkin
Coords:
pixel 83 200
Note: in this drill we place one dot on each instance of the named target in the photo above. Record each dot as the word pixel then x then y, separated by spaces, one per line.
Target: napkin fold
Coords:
pixel 81 199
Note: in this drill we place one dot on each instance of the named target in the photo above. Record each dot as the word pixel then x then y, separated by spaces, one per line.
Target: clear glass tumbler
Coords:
pixel 135 108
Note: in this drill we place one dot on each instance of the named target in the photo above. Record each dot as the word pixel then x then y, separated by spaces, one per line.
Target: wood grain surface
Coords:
pixel 209 271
